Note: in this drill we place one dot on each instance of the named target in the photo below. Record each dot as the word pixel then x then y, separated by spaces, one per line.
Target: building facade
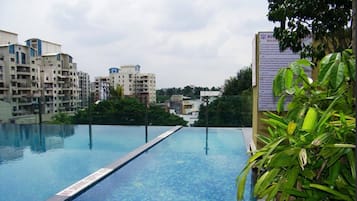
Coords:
pixel 101 88
pixel 134 83
pixel 43 47
pixel 84 86
pixel 19 75
pixel 36 77
pixel 59 83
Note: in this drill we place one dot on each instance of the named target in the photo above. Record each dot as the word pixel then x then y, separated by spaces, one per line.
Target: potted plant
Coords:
pixel 309 150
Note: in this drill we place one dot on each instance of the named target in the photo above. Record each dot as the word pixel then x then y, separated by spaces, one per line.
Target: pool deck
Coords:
pixel 248 138
pixel 75 189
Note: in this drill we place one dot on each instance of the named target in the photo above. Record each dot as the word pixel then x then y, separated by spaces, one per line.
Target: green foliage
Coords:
pixel 117 92
pixel 158 116
pixel 234 108
pixel 189 91
pixel 327 21
pixel 125 111
pixel 236 85
pixel 227 111
pixel 309 152
pixel 61 118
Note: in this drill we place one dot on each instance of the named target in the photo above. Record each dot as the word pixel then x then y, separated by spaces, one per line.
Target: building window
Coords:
pixel 23 58
pixel 32 52
pixel 12 49
pixel 17 57
pixel 12 59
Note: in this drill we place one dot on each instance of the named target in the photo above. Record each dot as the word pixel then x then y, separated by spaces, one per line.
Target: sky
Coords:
pixel 183 42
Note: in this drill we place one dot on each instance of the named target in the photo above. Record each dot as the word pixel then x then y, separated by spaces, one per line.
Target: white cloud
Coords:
pixel 201 42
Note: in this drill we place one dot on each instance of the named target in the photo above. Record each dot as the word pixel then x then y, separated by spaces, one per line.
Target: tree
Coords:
pixel 126 111
pixel 328 22
pixel 61 118
pixel 242 81
pixel 117 92
pixel 234 108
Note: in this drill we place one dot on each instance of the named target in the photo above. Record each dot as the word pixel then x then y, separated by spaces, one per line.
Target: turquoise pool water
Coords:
pixel 188 165
pixel 37 162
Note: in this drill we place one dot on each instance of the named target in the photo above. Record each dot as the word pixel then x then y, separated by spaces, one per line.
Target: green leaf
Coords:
pixel 241 179
pixel 285 158
pixel 280 104
pixel 291 181
pixel 334 171
pixel 325 67
pixel 265 180
pixel 304 62
pixel 326 189
pixel 288 81
pixel 351 160
pixel 337 74
pixel 278 82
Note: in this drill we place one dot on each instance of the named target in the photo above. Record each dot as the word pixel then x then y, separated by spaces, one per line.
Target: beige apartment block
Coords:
pixel 19 78
pixel 100 88
pixel 134 83
pixel 36 77
pixel 84 85
pixel 60 83
pixel 7 38
pixel 43 47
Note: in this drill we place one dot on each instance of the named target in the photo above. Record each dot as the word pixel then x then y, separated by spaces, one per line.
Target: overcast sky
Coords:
pixel 184 42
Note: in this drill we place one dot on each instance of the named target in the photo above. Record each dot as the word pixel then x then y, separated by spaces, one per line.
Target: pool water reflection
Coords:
pixel 38 161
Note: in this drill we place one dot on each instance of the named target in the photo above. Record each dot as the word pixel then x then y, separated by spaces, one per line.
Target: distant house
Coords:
pixel 209 95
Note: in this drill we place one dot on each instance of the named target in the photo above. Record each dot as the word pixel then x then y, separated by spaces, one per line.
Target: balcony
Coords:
pixel 23 86
pixel 24 103
pixel 23 71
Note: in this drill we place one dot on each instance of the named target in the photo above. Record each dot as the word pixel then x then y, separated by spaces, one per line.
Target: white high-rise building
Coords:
pixel 43 47
pixel 100 88
pixel 19 75
pixel 84 85
pixel 134 83
pixel 59 78
pixel 36 77
pixel 60 83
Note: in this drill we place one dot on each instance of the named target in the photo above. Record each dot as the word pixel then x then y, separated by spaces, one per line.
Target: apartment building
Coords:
pixel 36 77
pixel 101 88
pixel 134 83
pixel 43 47
pixel 19 75
pixel 84 86
pixel 59 78
pixel 59 83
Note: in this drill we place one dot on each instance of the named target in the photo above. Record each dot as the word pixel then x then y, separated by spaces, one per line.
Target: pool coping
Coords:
pixel 82 185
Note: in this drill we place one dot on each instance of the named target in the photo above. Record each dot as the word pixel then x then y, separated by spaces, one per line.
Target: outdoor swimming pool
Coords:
pixel 188 165
pixel 37 162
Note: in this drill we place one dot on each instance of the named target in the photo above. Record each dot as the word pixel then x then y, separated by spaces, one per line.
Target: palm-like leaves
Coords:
pixel 309 150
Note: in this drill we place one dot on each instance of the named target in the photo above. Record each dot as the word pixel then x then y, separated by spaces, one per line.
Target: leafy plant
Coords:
pixel 309 151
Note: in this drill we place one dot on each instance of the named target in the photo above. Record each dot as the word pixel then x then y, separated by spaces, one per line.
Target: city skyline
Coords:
pixel 200 43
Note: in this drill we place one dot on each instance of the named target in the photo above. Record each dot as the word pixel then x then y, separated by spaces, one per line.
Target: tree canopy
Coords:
pixel 189 91
pixel 125 111
pixel 234 108
pixel 328 22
